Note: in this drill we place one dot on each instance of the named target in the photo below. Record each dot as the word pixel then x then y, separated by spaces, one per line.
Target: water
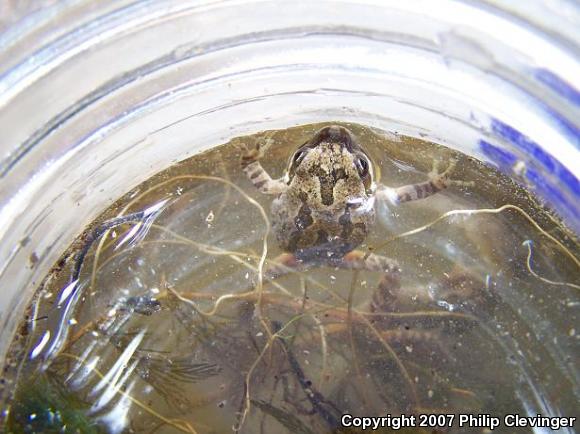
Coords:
pixel 170 328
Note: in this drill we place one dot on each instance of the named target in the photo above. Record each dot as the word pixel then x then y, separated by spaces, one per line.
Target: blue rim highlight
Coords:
pixel 558 85
pixel 531 148
pixel 503 158
pixel 548 177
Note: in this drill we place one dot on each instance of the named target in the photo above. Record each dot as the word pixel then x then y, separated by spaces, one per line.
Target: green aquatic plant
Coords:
pixel 43 405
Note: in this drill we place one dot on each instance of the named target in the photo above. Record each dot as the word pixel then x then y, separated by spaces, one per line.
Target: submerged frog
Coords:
pixel 325 202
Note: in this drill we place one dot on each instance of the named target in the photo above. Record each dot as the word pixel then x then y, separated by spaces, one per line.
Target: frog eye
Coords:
pixel 362 166
pixel 299 156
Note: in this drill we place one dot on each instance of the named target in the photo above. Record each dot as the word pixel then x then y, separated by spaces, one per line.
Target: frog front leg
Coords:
pixel 437 182
pixel 258 175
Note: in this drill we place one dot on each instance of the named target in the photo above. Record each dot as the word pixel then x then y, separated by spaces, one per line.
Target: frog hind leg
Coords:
pixel 437 181
pixel 354 260
pixel 359 260
pixel 386 293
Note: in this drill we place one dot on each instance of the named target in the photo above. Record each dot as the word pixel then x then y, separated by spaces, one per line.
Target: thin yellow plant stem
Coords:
pixel 528 244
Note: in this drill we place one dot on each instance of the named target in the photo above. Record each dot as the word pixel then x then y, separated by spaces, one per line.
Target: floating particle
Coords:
pixel 33 260
pixel 519 168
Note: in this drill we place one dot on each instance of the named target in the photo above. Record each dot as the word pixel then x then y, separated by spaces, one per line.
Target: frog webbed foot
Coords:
pixel 253 154
pixel 251 166
pixel 442 180
pixel 385 296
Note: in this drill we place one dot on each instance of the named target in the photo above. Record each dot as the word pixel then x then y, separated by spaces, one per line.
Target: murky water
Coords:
pixel 169 327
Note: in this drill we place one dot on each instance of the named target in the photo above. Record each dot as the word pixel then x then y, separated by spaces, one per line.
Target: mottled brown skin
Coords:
pixel 325 203
pixel 327 209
